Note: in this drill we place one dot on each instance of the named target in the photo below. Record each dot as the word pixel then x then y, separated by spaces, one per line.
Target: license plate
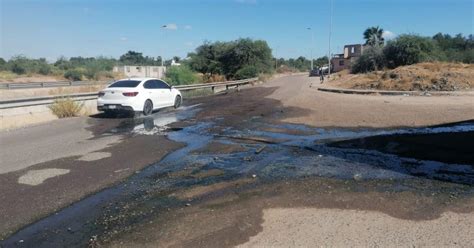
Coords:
pixel 112 107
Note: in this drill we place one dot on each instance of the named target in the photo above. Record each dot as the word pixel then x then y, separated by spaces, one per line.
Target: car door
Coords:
pixel 151 89
pixel 165 93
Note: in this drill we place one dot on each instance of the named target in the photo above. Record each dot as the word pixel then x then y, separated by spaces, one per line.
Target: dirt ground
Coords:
pixel 429 76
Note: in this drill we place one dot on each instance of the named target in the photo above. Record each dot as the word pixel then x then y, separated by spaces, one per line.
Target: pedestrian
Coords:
pixel 321 75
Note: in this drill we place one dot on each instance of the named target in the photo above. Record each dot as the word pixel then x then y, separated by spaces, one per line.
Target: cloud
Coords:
pixel 246 1
pixel 123 38
pixel 188 27
pixel 171 26
pixel 388 35
pixel 189 43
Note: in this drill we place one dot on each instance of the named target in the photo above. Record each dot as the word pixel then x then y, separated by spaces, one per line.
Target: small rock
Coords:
pixel 188 204
pixel 357 177
pixel 320 155
pixel 254 176
pixel 21 241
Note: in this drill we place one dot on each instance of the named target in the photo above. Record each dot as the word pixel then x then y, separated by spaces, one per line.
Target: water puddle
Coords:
pixel 157 123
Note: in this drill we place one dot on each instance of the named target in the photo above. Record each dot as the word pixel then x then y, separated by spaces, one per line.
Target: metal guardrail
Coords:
pixel 33 85
pixel 45 100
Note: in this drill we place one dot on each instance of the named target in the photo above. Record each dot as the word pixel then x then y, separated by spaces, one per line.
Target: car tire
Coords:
pixel 147 108
pixel 177 101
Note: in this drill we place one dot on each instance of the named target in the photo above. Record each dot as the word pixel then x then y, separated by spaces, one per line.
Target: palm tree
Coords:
pixel 374 36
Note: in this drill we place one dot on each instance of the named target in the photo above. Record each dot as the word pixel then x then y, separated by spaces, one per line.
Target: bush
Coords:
pixel 180 75
pixel 66 107
pixel 373 59
pixel 410 49
pixel 44 69
pixel 248 71
pixel 73 74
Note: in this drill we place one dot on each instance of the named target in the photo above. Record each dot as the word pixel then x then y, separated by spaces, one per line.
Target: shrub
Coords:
pixel 246 72
pixel 73 74
pixel 409 49
pixel 179 75
pixel 66 107
pixel 373 59
pixel 44 69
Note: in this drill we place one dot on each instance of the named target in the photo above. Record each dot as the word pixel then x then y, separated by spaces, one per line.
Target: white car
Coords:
pixel 138 95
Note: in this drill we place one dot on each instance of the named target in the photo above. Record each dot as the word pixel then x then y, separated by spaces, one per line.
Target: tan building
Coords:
pixel 344 60
pixel 141 71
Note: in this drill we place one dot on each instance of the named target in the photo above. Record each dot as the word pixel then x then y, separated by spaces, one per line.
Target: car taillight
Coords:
pixel 130 93
pixel 101 94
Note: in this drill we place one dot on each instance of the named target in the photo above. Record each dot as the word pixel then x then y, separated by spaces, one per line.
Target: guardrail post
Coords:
pixel 227 87
pixel 238 89
pixel 42 85
pixel 213 89
pixel 70 83
pixel 8 86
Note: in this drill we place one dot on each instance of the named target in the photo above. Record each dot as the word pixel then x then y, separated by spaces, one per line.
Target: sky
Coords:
pixel 90 28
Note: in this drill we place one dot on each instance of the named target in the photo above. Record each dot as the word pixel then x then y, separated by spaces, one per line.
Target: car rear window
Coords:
pixel 125 84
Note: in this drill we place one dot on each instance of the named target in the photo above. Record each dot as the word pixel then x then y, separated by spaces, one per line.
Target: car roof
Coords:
pixel 138 79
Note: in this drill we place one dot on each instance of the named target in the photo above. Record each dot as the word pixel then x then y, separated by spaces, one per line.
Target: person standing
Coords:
pixel 321 75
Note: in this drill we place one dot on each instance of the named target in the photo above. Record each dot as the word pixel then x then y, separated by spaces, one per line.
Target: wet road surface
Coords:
pixel 258 153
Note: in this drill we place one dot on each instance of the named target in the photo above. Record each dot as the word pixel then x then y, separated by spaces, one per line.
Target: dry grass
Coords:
pixel 66 107
pixel 7 76
pixel 432 76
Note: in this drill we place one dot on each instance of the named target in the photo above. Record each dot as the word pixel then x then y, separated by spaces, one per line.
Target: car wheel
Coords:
pixel 147 108
pixel 177 101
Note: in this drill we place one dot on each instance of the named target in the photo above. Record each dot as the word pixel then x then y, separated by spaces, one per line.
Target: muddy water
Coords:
pixel 270 152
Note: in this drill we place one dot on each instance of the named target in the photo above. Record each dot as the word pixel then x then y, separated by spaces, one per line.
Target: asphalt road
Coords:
pixel 46 168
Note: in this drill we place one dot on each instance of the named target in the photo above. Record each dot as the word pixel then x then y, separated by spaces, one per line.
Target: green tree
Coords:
pixel 229 57
pixel 409 49
pixel 373 59
pixel 3 64
pixel 374 36
pixel 133 58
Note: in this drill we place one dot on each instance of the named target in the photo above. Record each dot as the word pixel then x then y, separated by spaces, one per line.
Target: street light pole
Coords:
pixel 312 44
pixel 162 38
pixel 330 31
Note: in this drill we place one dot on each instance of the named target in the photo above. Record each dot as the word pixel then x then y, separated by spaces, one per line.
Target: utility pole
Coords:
pixel 162 38
pixel 330 31
pixel 312 44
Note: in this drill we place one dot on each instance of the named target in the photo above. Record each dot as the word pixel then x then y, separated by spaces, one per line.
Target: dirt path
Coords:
pixel 342 110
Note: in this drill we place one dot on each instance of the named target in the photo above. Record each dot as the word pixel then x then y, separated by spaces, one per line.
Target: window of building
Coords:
pixel 353 50
pixel 341 62
pixel 139 69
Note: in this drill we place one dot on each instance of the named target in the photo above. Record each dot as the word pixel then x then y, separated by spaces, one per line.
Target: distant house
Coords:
pixel 141 71
pixel 344 60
